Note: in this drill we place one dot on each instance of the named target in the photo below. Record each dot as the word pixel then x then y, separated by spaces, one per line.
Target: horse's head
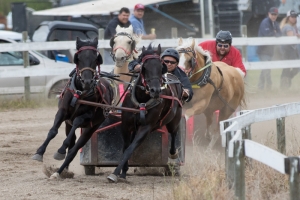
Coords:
pixel 192 56
pixel 151 71
pixel 87 58
pixel 123 45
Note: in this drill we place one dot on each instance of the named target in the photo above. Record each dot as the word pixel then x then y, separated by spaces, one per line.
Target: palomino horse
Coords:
pixel 85 84
pixel 123 50
pixel 216 85
pixel 159 105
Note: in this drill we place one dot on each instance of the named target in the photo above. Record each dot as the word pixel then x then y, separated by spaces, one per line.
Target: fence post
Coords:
pixel 292 168
pixel 239 170
pixel 26 64
pixel 174 32
pixel 229 162
pixel 280 123
pixel 101 37
pixel 244 48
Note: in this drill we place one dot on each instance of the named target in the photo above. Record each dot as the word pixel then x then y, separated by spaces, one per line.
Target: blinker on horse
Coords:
pixel 159 103
pixel 85 84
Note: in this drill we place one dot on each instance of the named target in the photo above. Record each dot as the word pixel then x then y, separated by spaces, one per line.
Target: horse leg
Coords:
pixel 138 139
pixel 61 152
pixel 173 160
pixel 127 138
pixel 82 140
pixel 59 118
pixel 209 119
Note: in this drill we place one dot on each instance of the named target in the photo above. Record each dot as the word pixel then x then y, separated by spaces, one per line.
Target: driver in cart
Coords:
pixel 170 59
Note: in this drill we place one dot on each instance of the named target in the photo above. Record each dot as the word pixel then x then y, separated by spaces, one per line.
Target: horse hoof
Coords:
pixel 37 157
pixel 55 176
pixel 59 156
pixel 112 178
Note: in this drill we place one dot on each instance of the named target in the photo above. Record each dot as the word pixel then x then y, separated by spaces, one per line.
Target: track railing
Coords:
pixel 236 138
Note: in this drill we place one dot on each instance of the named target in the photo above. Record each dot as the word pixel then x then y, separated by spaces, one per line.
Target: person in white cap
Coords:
pixel 137 22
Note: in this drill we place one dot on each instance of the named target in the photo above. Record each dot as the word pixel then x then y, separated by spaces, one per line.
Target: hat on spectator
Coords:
pixel 273 10
pixel 139 7
pixel 291 13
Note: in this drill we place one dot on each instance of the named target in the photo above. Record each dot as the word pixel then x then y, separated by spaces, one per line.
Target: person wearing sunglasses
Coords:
pixel 170 60
pixel 222 50
pixel 269 27
pixel 289 51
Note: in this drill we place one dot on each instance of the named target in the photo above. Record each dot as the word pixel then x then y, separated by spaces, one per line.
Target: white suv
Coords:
pixel 49 85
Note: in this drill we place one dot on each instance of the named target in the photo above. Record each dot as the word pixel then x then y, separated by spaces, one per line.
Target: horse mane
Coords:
pixel 86 42
pixel 130 32
pixel 188 43
pixel 205 53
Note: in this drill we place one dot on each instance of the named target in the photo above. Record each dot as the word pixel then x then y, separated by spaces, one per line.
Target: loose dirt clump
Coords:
pixel 49 170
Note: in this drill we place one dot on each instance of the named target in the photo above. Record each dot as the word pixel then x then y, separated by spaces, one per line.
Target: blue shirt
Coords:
pixel 138 25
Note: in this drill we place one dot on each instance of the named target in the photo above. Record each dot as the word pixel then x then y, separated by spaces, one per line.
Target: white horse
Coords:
pixel 123 46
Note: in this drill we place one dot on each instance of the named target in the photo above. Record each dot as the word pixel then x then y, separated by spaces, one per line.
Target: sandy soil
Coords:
pixel 22 131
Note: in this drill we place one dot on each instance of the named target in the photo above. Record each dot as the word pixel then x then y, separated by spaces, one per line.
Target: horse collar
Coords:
pixel 203 80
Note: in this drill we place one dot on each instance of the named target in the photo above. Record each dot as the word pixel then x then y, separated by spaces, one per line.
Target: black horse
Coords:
pixel 85 84
pixel 159 104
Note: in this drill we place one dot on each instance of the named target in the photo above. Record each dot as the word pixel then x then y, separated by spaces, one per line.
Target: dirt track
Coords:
pixel 22 131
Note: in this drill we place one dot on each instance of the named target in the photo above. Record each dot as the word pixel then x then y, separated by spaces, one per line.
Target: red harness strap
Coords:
pixel 172 98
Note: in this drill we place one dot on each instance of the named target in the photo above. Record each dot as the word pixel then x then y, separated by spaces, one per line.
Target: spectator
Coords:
pixel 170 58
pixel 289 52
pixel 137 22
pixel 122 20
pixel 222 50
pixel 268 28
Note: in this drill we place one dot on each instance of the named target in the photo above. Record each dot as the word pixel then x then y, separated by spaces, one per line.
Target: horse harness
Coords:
pixel 78 94
pixel 205 77
pixel 165 81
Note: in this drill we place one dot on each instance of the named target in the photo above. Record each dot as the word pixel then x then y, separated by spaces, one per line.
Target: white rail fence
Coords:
pixel 104 44
pixel 236 138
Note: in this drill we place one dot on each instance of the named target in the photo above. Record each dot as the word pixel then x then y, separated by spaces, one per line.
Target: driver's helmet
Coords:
pixel 224 37
pixel 171 52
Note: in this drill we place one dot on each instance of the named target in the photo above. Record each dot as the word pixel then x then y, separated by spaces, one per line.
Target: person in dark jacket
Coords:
pixel 170 58
pixel 268 28
pixel 123 21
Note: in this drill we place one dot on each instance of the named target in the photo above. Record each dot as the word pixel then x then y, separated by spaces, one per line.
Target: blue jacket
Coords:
pixel 178 73
pixel 138 25
pixel 268 29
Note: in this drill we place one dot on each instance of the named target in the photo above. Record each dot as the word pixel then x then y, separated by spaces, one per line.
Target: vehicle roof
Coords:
pixel 10 35
pixel 68 25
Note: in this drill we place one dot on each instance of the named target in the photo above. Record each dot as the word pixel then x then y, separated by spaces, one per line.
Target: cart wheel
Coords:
pixel 57 88
pixel 89 170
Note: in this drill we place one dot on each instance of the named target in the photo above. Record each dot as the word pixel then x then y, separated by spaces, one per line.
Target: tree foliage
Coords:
pixel 5 5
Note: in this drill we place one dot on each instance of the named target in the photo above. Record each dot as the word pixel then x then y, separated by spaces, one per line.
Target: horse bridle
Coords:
pixel 194 61
pixel 78 72
pixel 127 53
pixel 144 81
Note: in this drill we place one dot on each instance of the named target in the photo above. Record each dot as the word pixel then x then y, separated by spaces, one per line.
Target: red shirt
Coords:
pixel 233 58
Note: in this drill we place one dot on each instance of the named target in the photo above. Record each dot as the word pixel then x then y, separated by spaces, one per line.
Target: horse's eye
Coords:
pixel 129 42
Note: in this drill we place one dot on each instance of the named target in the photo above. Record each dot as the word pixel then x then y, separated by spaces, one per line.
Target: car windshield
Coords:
pixel 40 35
pixel 68 35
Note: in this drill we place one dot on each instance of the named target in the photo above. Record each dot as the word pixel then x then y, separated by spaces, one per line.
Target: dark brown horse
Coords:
pixel 85 84
pixel 159 105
